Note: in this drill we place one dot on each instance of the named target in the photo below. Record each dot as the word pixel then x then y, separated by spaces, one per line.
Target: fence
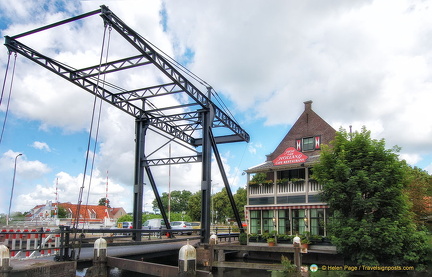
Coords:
pixel 31 243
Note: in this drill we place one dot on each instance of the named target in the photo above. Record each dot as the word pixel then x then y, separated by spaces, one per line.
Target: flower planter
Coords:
pixel 285 241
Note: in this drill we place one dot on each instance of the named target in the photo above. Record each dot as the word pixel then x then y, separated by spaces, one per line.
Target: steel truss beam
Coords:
pixel 174 160
pixel 111 67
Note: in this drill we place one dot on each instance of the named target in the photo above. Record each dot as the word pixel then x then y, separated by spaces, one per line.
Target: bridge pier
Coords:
pixel 100 267
pixel 4 261
pixel 187 261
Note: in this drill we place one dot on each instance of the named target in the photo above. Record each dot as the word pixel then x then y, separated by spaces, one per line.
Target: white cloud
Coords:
pixel 362 61
pixel 41 146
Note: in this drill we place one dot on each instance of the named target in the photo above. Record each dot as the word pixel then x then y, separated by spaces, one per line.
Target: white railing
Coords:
pixel 314 186
pixel 261 189
pixel 289 187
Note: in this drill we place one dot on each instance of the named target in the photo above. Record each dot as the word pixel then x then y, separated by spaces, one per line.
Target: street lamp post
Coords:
pixel 13 185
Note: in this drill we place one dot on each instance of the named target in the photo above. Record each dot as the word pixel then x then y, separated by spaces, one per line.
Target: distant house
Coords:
pixel 87 213
pixel 285 198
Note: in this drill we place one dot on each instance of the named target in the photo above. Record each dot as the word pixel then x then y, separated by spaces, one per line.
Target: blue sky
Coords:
pixel 361 63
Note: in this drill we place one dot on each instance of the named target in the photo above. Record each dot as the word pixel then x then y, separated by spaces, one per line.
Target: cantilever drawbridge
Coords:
pixel 194 121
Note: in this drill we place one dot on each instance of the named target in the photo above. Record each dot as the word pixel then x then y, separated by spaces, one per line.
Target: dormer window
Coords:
pixel 308 143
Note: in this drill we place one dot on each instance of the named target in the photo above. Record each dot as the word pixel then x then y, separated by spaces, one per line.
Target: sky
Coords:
pixel 362 63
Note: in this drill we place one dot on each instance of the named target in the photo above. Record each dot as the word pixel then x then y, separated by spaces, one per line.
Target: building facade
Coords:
pixel 87 213
pixel 281 194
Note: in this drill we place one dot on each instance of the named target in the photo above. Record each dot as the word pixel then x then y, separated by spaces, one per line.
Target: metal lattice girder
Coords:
pixel 174 160
pixel 139 94
pixel 111 67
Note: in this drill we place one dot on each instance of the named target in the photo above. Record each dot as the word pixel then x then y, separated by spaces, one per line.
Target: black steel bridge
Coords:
pixel 196 122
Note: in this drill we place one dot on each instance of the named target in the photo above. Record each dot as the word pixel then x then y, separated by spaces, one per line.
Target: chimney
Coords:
pixel 308 105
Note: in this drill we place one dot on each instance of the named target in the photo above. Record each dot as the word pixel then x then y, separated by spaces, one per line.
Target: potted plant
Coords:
pixel 281 181
pixel 271 241
pixel 304 241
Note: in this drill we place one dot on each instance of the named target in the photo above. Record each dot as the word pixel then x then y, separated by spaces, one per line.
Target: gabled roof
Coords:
pixel 309 124
pixel 86 211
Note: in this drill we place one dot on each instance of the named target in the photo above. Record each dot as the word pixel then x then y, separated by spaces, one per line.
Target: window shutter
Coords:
pixel 317 142
pixel 298 144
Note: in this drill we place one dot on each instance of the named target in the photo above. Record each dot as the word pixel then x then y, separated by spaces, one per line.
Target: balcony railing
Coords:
pixel 261 189
pixel 290 187
pixel 286 187
pixel 314 186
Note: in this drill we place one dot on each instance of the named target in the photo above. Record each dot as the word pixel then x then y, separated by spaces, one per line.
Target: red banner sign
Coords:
pixel 290 156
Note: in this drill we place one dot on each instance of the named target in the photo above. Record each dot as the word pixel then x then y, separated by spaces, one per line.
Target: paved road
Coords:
pixel 133 250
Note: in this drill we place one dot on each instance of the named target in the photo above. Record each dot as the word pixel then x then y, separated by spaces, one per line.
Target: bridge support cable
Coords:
pixel 81 191
pixel 226 183
pixel 96 99
pixel 10 92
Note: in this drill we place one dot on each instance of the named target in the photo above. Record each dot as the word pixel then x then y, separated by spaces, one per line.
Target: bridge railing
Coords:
pixel 30 243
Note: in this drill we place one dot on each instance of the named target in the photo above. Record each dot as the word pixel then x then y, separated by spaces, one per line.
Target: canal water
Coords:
pixel 115 272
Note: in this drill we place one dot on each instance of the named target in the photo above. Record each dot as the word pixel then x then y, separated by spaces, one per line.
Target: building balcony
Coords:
pixel 261 189
pixel 288 187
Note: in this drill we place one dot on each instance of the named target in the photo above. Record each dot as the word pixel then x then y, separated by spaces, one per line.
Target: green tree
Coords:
pixel 240 198
pixel 125 218
pixel 62 213
pixel 194 206
pixel 221 209
pixel 179 201
pixel 363 184
pixel 103 201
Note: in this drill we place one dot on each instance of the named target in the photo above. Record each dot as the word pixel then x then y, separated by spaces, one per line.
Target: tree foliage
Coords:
pixel 62 213
pixel 220 203
pixel 103 201
pixel 194 206
pixel 363 185
pixel 178 202
pixel 419 192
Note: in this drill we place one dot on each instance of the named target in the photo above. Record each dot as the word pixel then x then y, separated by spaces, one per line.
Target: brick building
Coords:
pixel 281 195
